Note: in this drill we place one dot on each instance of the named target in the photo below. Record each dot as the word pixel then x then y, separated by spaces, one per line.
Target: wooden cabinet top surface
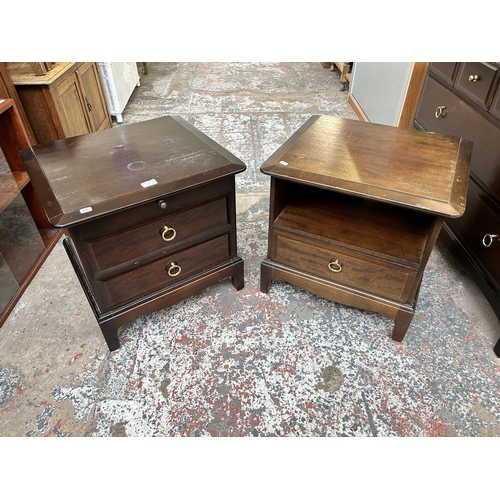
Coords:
pixel 423 171
pixel 83 177
pixel 22 73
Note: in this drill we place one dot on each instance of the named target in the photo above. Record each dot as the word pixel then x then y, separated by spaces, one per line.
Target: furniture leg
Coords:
pixel 238 278
pixel 265 277
pixel 110 332
pixel 401 323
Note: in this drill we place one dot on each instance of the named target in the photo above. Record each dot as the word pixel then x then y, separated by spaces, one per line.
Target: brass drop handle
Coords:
pixel 473 78
pixel 168 233
pixel 174 269
pixel 488 239
pixel 439 111
pixel 335 267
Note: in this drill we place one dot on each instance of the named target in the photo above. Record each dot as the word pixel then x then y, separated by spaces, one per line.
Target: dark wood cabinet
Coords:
pixel 26 237
pixel 66 101
pixel 463 99
pixel 150 209
pixel 356 209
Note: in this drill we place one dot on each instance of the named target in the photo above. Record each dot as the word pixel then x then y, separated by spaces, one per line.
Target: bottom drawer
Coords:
pixel 479 231
pixel 381 278
pixel 147 279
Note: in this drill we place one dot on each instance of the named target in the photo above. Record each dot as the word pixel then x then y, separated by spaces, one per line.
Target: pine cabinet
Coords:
pixel 66 101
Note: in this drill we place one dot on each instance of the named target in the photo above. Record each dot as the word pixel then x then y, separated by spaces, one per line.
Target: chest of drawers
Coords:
pixel 463 99
pixel 150 211
pixel 356 209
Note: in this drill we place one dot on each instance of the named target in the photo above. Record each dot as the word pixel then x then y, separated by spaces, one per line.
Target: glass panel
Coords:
pixel 9 286
pixel 20 241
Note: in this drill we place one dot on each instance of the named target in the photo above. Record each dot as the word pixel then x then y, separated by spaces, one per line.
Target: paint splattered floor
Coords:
pixel 228 363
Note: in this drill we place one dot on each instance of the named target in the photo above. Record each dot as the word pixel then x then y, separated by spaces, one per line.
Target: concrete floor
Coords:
pixel 227 363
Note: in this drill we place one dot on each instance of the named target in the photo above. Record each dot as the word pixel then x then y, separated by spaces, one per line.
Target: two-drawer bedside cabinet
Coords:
pixel 355 210
pixel 150 210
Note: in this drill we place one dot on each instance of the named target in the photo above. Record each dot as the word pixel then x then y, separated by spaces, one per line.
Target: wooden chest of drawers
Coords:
pixel 463 99
pixel 150 210
pixel 356 209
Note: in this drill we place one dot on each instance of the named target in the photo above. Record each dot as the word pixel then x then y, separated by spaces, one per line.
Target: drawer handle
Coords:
pixel 488 239
pixel 174 269
pixel 168 233
pixel 335 266
pixel 162 204
pixel 440 111
pixel 473 78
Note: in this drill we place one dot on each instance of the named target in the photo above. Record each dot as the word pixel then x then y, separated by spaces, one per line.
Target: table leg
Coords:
pixel 238 277
pixel 401 323
pixel 110 332
pixel 265 277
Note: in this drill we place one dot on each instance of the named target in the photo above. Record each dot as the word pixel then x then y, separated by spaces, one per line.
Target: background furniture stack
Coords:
pixel 463 99
pixel 65 100
pixel 345 72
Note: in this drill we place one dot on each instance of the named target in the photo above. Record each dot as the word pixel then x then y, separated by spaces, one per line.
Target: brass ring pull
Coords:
pixel 439 111
pixel 488 239
pixel 473 78
pixel 335 266
pixel 166 230
pixel 174 269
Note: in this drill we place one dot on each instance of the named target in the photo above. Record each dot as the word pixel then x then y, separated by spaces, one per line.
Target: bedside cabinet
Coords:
pixel 463 99
pixel 150 210
pixel 355 210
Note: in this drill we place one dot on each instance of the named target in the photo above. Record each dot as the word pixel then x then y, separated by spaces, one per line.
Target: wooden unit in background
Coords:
pixel 13 139
pixel 356 209
pixel 8 91
pixel 66 101
pixel 462 99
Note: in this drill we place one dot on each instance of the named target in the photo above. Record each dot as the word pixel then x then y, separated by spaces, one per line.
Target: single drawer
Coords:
pixel 165 234
pixel 476 80
pixel 443 112
pixel 444 70
pixel 162 206
pixel 479 231
pixel 147 279
pixel 357 271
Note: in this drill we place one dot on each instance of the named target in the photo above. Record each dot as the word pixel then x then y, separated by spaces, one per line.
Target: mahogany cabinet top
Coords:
pixel 83 177
pixel 419 170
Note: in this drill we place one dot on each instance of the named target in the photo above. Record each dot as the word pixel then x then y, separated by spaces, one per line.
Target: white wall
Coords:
pixel 379 89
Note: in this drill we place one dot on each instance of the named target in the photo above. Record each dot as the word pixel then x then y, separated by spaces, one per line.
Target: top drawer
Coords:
pixel 444 70
pixel 476 80
pixel 443 112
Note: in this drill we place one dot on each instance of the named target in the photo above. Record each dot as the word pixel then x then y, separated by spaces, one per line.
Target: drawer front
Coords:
pixel 459 119
pixel 479 231
pixel 475 80
pixel 162 206
pixel 384 279
pixel 147 279
pixel 164 234
pixel 444 70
